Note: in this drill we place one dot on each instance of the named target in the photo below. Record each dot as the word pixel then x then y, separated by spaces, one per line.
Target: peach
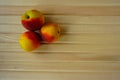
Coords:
pixel 29 41
pixel 33 20
pixel 50 32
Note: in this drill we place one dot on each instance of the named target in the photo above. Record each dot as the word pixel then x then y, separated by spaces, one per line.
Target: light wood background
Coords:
pixel 89 48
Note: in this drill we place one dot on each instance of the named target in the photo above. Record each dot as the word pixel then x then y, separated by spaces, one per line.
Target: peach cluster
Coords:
pixel 37 30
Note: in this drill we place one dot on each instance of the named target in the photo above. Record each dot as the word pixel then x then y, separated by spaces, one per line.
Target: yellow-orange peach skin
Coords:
pixel 50 32
pixel 29 41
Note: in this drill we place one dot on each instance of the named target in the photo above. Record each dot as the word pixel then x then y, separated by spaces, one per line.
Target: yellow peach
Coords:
pixel 29 41
pixel 50 32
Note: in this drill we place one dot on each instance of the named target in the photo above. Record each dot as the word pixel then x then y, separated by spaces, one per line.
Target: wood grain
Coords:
pixel 56 56
pixel 74 39
pixel 16 75
pixel 88 49
pixel 61 66
pixel 68 10
pixel 58 2
pixel 67 19
pixel 68 29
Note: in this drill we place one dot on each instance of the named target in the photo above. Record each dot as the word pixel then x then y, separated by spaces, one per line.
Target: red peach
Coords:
pixel 32 20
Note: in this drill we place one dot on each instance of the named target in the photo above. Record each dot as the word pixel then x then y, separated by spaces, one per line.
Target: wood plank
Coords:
pixel 67 19
pixel 80 39
pixel 58 2
pixel 60 66
pixel 62 47
pixel 93 56
pixel 69 29
pixel 63 10
pixel 14 75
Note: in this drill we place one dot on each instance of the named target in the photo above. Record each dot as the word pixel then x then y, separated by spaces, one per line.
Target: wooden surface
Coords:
pixel 89 48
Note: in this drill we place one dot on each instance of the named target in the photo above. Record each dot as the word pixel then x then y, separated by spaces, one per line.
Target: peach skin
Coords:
pixel 29 41
pixel 50 32
pixel 32 20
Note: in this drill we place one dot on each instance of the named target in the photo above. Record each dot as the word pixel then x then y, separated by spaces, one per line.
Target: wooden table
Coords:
pixel 89 48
